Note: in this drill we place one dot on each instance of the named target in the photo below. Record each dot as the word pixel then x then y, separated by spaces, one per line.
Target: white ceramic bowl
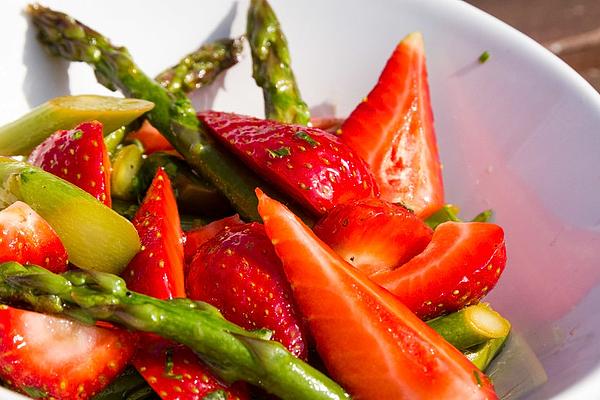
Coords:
pixel 518 133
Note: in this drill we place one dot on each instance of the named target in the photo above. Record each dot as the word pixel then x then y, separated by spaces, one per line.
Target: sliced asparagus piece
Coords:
pixel 483 354
pixel 124 181
pixel 449 212
pixel 471 326
pixel 113 140
pixel 21 136
pixel 232 353
pixel 95 236
pixel 271 66
pixel 201 67
pixel 173 114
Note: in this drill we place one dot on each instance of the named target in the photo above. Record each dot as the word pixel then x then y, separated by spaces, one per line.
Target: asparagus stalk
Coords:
pixel 232 353
pixel 95 236
pixel 113 140
pixel 201 67
pixel 173 114
pixel 483 354
pixel 449 212
pixel 194 195
pixel 471 326
pixel 128 386
pixel 21 136
pixel 124 181
pixel 271 66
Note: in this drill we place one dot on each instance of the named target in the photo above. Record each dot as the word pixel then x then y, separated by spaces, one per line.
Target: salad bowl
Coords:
pixel 517 133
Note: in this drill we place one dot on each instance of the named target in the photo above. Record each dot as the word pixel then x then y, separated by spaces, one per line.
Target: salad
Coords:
pixel 150 250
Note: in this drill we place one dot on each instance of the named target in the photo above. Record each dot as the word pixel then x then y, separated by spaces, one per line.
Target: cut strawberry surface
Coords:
pixel 312 166
pixel 373 235
pixel 152 140
pixel 392 130
pixel 369 341
pixel 461 264
pixel 157 269
pixel 51 357
pixel 239 273
pixel 175 373
pixel 25 237
pixel 78 156
pixel 195 238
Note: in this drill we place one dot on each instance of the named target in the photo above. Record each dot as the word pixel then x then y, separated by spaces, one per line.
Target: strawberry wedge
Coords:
pixel 370 342
pixel 309 165
pixel 56 358
pixel 392 130
pixel 78 156
pixel 461 264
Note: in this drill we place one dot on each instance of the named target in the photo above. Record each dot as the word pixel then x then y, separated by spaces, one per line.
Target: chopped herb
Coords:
pixel 216 395
pixel 484 216
pixel 307 138
pixel 169 366
pixel 279 153
pixel 77 134
pixel 484 57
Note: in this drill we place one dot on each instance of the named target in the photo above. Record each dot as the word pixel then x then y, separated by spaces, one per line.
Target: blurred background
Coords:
pixel 569 28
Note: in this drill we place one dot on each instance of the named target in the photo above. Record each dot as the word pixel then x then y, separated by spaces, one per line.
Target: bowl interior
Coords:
pixel 517 134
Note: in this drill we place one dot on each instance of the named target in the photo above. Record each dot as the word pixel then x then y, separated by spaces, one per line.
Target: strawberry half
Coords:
pixel 373 235
pixel 461 264
pixel 27 238
pixel 239 273
pixel 78 156
pixel 175 373
pixel 195 238
pixel 310 165
pixel 157 269
pixel 392 130
pixel 51 357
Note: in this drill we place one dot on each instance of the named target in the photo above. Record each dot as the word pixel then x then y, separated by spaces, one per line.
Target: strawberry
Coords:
pixel 27 238
pixel 392 130
pixel 175 373
pixel 152 140
pixel 461 264
pixel 158 268
pixel 373 235
pixel 198 236
pixel 310 165
pixel 369 341
pixel 78 156
pixel 239 273
pixel 50 357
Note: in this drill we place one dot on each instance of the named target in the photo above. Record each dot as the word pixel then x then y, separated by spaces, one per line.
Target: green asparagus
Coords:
pixel 271 66
pixel 201 67
pixel 449 212
pixel 471 326
pixel 21 136
pixel 173 114
pixel 483 354
pixel 113 140
pixel 233 353
pixel 124 181
pixel 95 236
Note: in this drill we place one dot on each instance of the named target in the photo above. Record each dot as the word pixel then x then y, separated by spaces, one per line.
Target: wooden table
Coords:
pixel 569 28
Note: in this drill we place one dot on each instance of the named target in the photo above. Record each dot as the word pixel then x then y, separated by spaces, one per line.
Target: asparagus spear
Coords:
pixel 271 66
pixel 21 136
pixel 483 354
pixel 95 236
pixel 449 212
pixel 173 114
pixel 201 67
pixel 124 182
pixel 233 353
pixel 113 140
pixel 471 326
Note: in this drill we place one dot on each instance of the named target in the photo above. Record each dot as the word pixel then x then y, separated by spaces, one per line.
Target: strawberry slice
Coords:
pixel 369 341
pixel 239 273
pixel 461 264
pixel 78 156
pixel 373 235
pixel 197 237
pixel 157 269
pixel 152 140
pixel 392 130
pixel 25 237
pixel 50 357
pixel 175 373
pixel 310 165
